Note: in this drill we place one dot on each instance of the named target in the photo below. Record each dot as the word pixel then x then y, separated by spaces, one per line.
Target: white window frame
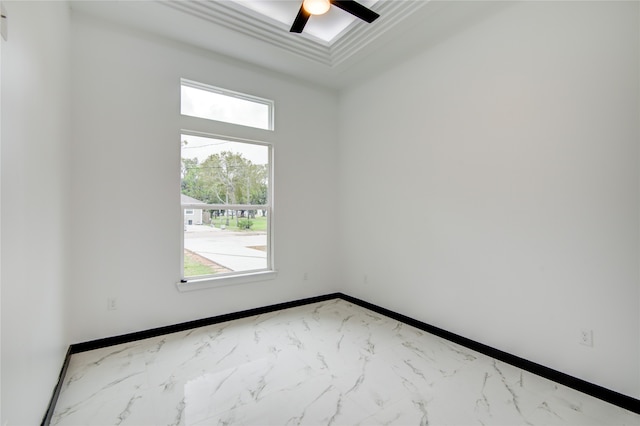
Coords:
pixel 233 133
pixel 232 94
pixel 235 277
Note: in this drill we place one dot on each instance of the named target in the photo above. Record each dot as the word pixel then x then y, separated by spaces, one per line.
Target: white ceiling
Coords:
pixel 334 50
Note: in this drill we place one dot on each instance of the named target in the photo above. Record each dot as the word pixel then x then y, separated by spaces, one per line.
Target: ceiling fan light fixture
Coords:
pixel 316 7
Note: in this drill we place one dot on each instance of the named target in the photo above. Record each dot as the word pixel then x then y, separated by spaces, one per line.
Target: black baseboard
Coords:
pixel 583 386
pixel 154 332
pixel 46 420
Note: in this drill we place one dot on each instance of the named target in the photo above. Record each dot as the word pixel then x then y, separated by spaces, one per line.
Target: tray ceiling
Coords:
pixel 326 28
pixel 328 40
pixel 334 50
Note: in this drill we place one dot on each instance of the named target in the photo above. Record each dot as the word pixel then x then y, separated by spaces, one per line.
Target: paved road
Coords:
pixel 227 248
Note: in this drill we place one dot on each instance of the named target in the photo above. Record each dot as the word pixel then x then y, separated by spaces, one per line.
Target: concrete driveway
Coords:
pixel 234 250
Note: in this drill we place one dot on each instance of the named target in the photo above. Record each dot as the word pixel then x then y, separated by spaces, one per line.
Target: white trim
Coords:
pixel 256 26
pixel 270 201
pixel 260 27
pixel 223 281
pixel 182 227
pixel 201 122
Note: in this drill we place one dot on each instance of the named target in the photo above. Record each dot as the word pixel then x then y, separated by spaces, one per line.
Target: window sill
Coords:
pixel 225 281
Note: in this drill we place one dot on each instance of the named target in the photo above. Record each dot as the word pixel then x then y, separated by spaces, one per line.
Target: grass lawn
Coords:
pixel 192 267
pixel 258 224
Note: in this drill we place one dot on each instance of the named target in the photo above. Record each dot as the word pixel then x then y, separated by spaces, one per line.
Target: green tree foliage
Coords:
pixel 225 178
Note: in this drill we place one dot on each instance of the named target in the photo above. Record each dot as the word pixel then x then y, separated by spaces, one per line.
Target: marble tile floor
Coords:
pixel 328 363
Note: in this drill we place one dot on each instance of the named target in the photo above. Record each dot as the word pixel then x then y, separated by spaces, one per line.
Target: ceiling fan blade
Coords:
pixel 356 9
pixel 300 21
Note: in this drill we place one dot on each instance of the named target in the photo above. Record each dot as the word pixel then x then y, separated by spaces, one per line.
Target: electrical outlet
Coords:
pixel 365 279
pixel 111 304
pixel 586 337
pixel 305 276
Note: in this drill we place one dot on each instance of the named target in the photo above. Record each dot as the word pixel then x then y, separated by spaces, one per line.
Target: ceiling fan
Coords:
pixel 319 7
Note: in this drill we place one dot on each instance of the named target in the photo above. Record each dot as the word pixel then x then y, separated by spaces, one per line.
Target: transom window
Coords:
pixel 213 103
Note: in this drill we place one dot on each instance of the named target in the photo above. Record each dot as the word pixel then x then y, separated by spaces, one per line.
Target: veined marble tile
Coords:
pixel 330 363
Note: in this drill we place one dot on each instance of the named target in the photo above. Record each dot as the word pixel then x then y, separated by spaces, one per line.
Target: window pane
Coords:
pixel 226 173
pixel 225 245
pixel 216 171
pixel 198 100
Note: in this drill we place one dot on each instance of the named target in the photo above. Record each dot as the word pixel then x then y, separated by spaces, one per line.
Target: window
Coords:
pixel 228 181
pixel 226 192
pixel 213 103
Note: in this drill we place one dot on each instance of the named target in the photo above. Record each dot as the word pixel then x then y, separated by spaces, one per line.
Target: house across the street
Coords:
pixel 192 215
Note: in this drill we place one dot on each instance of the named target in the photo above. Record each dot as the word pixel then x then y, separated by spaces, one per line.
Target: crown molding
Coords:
pixel 245 21
pixel 229 30
pixel 355 38
pixel 238 18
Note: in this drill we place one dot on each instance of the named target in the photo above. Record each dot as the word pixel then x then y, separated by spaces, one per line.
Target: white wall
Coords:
pixel 35 197
pixel 512 147
pixel 513 143
pixel 126 145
